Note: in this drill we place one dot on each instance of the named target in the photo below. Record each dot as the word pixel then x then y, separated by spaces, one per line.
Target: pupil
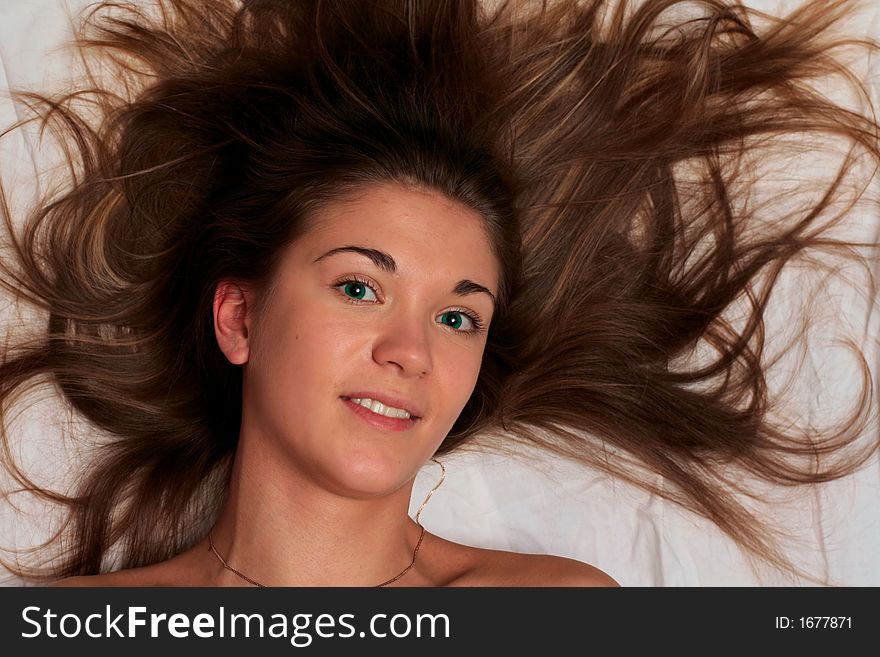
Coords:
pixel 453 319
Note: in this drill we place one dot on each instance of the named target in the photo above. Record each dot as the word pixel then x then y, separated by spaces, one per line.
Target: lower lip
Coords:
pixel 380 421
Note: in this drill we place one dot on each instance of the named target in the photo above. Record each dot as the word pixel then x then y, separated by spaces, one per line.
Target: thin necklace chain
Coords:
pixel 385 583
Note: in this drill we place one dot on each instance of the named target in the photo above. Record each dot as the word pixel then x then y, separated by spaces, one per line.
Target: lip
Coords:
pixel 389 399
pixel 380 421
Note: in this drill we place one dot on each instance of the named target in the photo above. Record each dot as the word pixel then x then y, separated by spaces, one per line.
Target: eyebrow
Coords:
pixel 386 263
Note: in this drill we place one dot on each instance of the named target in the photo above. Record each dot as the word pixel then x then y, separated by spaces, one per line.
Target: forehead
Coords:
pixel 422 229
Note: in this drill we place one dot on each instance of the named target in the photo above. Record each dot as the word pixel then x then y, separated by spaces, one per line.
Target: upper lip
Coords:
pixel 389 399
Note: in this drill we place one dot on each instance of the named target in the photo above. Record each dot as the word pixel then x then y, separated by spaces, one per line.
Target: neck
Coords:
pixel 280 529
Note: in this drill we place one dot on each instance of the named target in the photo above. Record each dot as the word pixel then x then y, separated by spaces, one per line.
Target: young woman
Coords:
pixel 355 367
pixel 308 246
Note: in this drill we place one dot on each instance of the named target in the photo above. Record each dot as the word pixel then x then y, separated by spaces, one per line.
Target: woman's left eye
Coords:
pixel 455 318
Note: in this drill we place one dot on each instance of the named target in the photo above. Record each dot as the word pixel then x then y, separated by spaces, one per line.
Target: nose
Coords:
pixel 406 344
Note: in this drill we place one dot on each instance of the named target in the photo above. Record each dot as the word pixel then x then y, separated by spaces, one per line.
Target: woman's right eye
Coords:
pixel 356 290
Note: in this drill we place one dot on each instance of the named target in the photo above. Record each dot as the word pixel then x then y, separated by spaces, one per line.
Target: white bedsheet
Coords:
pixel 507 503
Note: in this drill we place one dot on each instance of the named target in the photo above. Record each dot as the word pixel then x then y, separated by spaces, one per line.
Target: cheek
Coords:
pixel 458 375
pixel 311 353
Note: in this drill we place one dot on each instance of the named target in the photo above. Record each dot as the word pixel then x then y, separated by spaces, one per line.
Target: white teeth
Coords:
pixel 382 409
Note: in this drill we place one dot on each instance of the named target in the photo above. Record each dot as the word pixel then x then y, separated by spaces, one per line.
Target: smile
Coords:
pixel 382 409
pixel 379 419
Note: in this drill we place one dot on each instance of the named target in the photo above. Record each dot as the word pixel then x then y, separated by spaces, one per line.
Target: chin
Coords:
pixel 372 477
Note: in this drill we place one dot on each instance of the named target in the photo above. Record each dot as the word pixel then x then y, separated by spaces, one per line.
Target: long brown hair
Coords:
pixel 612 150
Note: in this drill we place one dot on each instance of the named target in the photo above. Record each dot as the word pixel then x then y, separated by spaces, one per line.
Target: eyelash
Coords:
pixel 475 319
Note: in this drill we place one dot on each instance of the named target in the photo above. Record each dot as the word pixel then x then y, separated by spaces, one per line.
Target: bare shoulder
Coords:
pixel 161 574
pixel 108 579
pixel 180 570
pixel 548 570
pixel 131 577
pixel 502 568
pixel 560 571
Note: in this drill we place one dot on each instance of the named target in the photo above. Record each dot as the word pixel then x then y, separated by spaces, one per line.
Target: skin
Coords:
pixel 319 497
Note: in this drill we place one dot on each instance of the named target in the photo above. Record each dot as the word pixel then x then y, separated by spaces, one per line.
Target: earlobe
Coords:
pixel 231 321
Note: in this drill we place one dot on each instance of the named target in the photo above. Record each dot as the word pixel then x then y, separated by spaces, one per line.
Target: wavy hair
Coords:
pixel 612 149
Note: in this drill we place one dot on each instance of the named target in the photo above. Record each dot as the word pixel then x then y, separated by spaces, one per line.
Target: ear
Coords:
pixel 232 321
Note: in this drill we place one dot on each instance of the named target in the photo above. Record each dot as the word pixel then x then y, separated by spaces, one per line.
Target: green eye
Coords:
pixel 454 319
pixel 356 290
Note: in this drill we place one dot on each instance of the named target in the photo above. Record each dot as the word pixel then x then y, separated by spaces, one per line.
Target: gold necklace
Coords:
pixel 385 583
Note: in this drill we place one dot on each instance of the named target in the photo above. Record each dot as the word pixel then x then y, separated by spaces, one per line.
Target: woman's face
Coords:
pixel 381 300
